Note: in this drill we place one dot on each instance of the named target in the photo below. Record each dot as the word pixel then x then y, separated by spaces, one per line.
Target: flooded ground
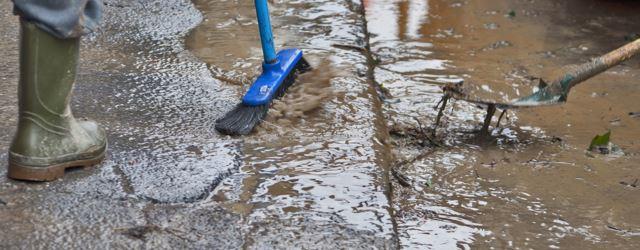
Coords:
pixel 157 75
pixel 325 166
pixel 533 186
pixel 347 159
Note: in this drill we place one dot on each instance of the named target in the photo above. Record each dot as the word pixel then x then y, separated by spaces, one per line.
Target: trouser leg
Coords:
pixel 61 18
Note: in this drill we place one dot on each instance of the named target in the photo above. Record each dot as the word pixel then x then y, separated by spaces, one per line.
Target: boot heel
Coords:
pixel 19 172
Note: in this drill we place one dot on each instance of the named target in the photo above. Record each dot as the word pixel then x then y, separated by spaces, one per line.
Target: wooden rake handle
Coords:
pixel 580 73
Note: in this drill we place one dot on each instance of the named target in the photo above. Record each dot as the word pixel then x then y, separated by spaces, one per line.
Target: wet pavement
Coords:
pixel 347 160
pixel 318 182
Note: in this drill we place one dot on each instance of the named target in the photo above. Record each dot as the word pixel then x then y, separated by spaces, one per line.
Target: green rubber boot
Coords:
pixel 49 139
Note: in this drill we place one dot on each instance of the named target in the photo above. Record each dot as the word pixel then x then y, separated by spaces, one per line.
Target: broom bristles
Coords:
pixel 243 118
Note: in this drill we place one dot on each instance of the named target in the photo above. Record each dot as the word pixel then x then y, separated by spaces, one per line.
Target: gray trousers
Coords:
pixel 61 18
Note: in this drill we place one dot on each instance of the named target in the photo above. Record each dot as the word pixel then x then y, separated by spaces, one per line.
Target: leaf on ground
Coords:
pixel 600 140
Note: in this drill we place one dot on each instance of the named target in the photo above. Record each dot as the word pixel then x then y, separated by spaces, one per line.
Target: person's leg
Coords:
pixel 61 18
pixel 49 139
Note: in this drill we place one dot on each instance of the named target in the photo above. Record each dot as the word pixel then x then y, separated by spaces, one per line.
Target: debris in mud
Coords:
pixel 615 122
pixel 491 164
pixel 633 184
pixel 603 94
pixel 311 90
pixel 622 231
pixel 491 26
pixel 3 202
pixel 634 114
pixel 614 228
pixel 443 102
pixel 402 179
pixel 498 45
pixel 409 182
pixel 350 47
pixel 414 136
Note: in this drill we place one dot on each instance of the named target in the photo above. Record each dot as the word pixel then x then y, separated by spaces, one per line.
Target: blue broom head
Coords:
pixel 273 76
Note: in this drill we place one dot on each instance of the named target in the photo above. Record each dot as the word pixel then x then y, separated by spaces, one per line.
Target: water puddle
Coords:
pixel 317 161
pixel 532 186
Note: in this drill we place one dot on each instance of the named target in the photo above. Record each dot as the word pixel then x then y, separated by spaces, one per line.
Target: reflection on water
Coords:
pixel 527 189
pixel 397 19
pixel 531 188
pixel 412 70
pixel 315 169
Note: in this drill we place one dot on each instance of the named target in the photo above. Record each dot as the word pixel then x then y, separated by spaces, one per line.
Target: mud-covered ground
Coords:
pixel 533 185
pixel 347 160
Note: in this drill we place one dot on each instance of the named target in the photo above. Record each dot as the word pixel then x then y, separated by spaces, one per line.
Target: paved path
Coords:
pixel 170 180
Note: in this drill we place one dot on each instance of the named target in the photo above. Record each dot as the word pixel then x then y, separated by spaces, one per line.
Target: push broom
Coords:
pixel 278 73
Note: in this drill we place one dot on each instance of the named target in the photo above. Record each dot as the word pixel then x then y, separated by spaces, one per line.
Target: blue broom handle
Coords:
pixel 266 36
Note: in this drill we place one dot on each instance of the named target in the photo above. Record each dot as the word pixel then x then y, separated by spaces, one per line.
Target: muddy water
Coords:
pixel 318 161
pixel 318 175
pixel 533 185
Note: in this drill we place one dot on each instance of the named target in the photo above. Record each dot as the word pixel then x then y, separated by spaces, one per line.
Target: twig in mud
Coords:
pixel 350 47
pixel 403 180
pixel 414 159
pixel 634 184
pixel 439 102
pixel 614 228
pixel 623 231
pixel 419 124
pixel 425 135
pixel 443 101
pixel 536 162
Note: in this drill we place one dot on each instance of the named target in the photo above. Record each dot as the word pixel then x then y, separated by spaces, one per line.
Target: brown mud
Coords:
pixel 311 90
pixel 533 185
pixel 348 159
pixel 318 161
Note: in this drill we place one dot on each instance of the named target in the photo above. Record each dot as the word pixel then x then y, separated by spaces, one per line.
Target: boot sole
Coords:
pixel 49 173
